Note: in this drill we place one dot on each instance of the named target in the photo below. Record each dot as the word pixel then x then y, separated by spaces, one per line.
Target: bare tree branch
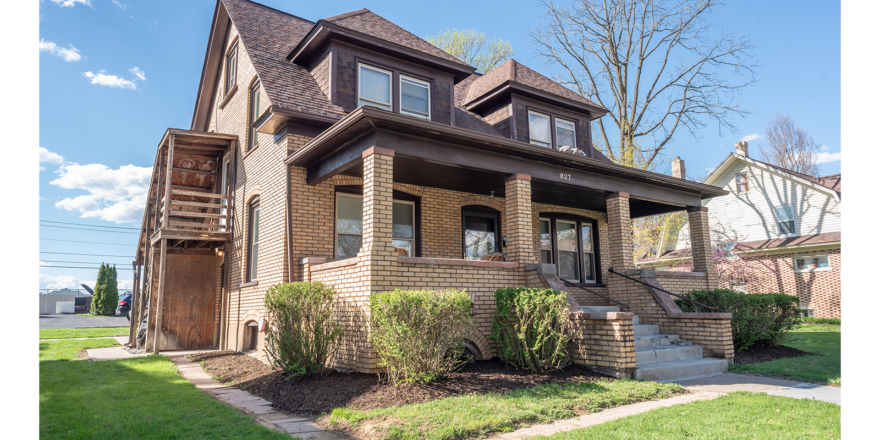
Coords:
pixel 790 146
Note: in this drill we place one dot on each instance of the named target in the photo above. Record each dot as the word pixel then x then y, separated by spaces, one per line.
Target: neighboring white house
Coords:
pixel 792 219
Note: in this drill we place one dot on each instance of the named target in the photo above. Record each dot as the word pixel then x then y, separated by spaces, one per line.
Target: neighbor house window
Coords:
pixel 231 68
pixel 742 183
pixel 254 114
pixel 570 243
pixel 481 229
pixel 253 249
pixel 415 98
pixel 785 220
pixel 539 129
pixel 350 225
pixel 811 264
pixel 565 134
pixel 374 87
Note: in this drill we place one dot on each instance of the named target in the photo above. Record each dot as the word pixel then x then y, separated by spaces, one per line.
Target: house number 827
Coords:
pixel 564 176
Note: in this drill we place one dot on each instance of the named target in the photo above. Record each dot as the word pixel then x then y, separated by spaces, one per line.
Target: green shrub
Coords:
pixel 532 328
pixel 758 319
pixel 811 320
pixel 302 333
pixel 420 335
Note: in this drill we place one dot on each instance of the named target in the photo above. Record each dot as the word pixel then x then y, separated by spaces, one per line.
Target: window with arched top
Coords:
pixel 253 115
pixel 481 231
pixel 253 247
pixel 251 331
pixel 571 243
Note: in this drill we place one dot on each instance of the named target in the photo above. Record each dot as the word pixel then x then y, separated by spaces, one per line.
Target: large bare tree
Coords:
pixel 790 146
pixel 656 65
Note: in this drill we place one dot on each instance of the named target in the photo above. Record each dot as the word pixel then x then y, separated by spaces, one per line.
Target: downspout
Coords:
pixel 289 216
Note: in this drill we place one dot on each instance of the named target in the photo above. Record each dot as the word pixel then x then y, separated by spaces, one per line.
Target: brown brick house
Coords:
pixel 352 152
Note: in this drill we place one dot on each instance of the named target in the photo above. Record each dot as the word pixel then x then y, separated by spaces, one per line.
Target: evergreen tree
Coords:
pixel 111 292
pixel 98 295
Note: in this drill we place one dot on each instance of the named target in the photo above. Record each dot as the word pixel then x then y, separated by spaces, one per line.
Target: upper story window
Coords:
pixel 540 133
pixel 742 183
pixel 785 220
pixel 253 141
pixel 253 248
pixel 415 97
pixel 374 87
pixel 231 67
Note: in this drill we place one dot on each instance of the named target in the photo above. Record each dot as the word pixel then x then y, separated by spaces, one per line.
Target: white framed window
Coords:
pixel 546 241
pixel 403 230
pixel 785 220
pixel 253 239
pixel 349 225
pixel 231 67
pixel 812 264
pixel 742 183
pixel 589 257
pixel 415 97
pixel 253 141
pixel 565 134
pixel 539 129
pixel 567 250
pixel 374 87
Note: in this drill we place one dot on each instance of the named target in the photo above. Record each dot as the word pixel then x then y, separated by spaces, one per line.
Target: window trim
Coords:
pixel 253 115
pixel 576 252
pixel 397 197
pixel 413 239
pixel 253 207
pixel 793 220
pixel 794 264
pixel 736 182
pixel 556 127
pixel 336 233
pixel 549 129
pixel 484 212
pixel 553 117
pixel 232 54
pixel 427 85
pixel 579 221
pixel 390 73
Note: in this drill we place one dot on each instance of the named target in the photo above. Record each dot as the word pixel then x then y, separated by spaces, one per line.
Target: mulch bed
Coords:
pixel 314 395
pixel 757 355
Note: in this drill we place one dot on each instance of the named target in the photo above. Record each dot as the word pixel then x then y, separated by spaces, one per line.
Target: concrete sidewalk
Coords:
pixel 730 382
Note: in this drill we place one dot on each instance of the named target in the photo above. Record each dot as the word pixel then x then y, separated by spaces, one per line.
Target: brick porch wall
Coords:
pixel 604 342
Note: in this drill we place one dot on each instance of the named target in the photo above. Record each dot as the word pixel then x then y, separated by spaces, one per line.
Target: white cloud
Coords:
pixel 113 195
pixel 710 170
pixel 751 137
pixel 122 285
pixel 138 73
pixel 47 156
pixel 121 6
pixel 69 55
pixel 61 282
pixel 824 148
pixel 827 158
pixel 43 263
pixel 72 3
pixel 109 80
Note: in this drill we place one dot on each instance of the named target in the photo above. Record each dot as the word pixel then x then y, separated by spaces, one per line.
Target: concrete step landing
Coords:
pixel 600 309
pixel 665 357
pixel 656 355
pixel 680 369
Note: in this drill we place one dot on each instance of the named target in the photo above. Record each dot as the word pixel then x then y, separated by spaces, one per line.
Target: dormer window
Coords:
pixel 565 134
pixel 415 99
pixel 541 134
pixel 374 87
pixel 539 130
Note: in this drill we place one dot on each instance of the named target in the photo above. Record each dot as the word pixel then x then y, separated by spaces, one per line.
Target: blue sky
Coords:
pixel 114 74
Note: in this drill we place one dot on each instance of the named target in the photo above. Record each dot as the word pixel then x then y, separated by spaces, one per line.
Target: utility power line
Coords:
pixel 91 226
pixel 87 255
pixel 93 230
pixel 77 267
pixel 86 242
pixel 80 262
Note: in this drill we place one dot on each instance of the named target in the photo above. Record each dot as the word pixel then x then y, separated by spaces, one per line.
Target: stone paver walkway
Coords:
pixel 258 407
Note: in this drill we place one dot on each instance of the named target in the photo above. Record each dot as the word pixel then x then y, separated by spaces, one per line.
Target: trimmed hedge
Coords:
pixel 758 319
pixel 532 328
pixel 811 320
pixel 302 334
pixel 420 335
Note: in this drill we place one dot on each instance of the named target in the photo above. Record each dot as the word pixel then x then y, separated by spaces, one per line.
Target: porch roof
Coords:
pixel 438 155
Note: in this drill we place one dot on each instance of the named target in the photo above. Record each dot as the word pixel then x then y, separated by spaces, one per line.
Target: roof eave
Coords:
pixel 509 86
pixel 205 93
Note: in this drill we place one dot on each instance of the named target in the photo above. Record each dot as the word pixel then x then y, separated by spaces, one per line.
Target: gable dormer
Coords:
pixel 526 106
pixel 359 58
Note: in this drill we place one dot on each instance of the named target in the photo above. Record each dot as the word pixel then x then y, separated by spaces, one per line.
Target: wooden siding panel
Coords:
pixel 188 305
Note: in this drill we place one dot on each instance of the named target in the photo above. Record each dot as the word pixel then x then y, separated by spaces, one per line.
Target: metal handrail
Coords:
pixel 611 269
pixel 622 305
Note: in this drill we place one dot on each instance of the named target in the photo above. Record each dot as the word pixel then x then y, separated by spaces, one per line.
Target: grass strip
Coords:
pixel 823 367
pixel 739 415
pixel 67 333
pixel 141 398
pixel 475 415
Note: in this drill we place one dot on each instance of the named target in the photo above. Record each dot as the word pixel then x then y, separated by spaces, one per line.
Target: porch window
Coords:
pixel 231 68
pixel 374 87
pixel 253 115
pixel 785 220
pixel 481 233
pixel 742 183
pixel 569 242
pixel 415 98
pixel 539 129
pixel 349 225
pixel 253 248
pixel 403 229
pixel 565 134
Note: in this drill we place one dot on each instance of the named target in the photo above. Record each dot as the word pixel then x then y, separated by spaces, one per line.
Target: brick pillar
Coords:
pixel 518 218
pixel 701 244
pixel 620 244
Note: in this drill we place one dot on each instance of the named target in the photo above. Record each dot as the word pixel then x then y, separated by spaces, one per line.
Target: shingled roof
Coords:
pixel 511 70
pixel 831 182
pixel 757 245
pixel 268 36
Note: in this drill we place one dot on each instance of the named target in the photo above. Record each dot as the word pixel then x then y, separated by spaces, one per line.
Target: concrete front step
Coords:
pixel 648 356
pixel 600 309
pixel 649 341
pixel 644 329
pixel 681 369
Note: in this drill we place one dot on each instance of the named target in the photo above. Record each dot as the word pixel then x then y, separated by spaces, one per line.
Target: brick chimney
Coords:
pixel 742 148
pixel 678 168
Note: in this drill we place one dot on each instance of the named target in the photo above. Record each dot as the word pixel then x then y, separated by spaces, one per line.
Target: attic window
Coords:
pixel 565 134
pixel 539 130
pixel 374 87
pixel 414 98
pixel 231 68
pixel 742 183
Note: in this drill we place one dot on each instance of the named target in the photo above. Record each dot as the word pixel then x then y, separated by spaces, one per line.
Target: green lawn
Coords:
pixel 824 367
pixel 738 415
pixel 474 415
pixel 66 333
pixel 142 398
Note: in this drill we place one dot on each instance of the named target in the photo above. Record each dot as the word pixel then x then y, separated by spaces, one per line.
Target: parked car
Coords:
pixel 124 307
